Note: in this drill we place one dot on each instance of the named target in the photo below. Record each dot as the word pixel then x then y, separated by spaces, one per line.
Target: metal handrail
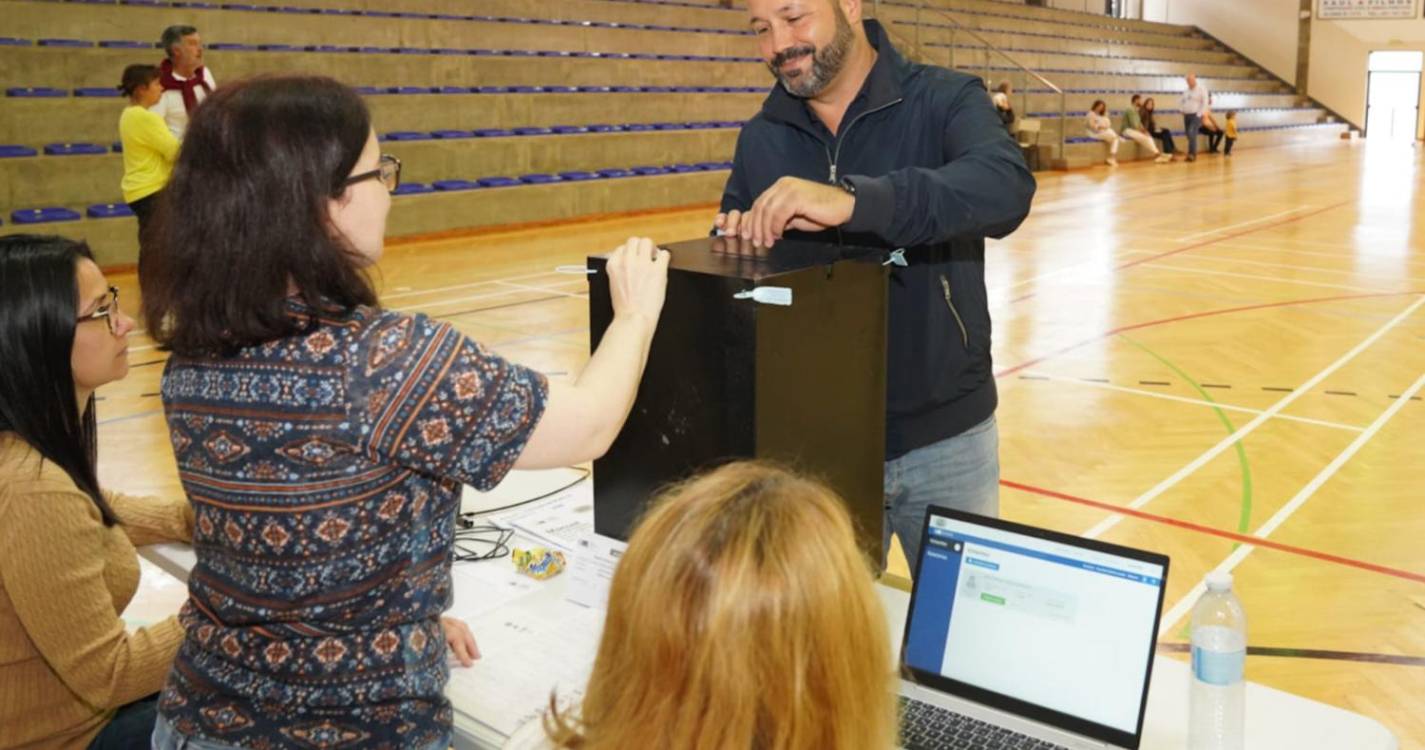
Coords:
pixel 957 26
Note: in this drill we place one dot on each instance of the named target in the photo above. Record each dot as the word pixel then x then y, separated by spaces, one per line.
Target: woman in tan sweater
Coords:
pixel 71 675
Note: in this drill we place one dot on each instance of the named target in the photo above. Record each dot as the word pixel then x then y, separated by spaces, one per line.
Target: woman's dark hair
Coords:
pixel 136 77
pixel 1149 102
pixel 39 307
pixel 1097 102
pixel 245 217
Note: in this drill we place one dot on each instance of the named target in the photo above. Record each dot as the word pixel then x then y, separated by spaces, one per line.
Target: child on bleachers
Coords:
pixel 150 148
pixel 1230 129
pixel 1101 128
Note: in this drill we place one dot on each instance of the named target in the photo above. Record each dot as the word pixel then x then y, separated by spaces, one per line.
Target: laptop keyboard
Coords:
pixel 927 727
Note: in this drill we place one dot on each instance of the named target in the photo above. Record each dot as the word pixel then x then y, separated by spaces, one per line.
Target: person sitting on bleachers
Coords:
pixel 1099 127
pixel 1003 107
pixel 186 81
pixel 150 148
pixel 1163 134
pixel 741 615
pixel 1134 130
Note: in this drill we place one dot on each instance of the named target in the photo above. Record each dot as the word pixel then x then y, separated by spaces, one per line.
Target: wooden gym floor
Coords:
pixel 1188 355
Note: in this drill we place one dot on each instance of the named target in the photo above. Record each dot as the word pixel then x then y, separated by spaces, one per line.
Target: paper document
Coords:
pixel 591 570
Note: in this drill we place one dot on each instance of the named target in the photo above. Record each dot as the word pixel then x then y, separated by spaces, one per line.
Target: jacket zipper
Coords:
pixel 833 159
pixel 964 334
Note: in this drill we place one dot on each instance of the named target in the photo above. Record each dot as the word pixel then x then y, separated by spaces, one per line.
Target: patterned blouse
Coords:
pixel 325 472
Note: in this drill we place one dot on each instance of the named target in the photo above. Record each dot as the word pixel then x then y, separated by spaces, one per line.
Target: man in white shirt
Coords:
pixel 186 82
pixel 1193 103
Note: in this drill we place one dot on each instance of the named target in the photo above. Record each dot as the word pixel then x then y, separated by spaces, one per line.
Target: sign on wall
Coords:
pixel 1330 10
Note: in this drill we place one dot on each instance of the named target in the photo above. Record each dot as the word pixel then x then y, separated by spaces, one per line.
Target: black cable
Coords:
pixel 468 541
pixel 469 517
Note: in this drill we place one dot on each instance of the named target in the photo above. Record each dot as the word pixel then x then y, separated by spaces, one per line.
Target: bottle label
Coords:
pixel 1218 667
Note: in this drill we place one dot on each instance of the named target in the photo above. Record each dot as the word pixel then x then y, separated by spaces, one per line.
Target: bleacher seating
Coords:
pixel 494 107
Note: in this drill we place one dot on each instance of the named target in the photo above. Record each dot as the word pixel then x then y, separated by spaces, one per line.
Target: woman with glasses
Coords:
pixel 71 675
pixel 323 440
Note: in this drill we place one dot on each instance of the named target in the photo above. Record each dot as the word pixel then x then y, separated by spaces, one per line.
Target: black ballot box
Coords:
pixel 732 377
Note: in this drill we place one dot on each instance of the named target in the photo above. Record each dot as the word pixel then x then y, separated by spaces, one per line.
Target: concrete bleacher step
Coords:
pixel 1089 153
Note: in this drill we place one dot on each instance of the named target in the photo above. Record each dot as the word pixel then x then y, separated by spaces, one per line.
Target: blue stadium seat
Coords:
pixel 492 89
pixel 10 41
pixel 538 179
pixel 568 129
pixel 74 149
pixel 125 44
pixel 410 188
pixel 109 211
pixel 493 133
pixel 453 185
pixel 97 93
pixel 605 128
pixel 411 90
pixel 578 176
pixel 232 46
pixel 715 165
pixel 11 151
pixel 683 168
pixel 36 92
pixel 648 170
pixel 447 134
pixel 498 182
pixel 405 135
pixel 43 215
pixel 117 147
pixel 532 131
pixel 65 43
pixel 614 173
pixel 279 48
pixel 454 90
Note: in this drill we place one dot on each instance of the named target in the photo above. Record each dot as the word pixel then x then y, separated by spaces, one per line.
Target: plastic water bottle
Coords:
pixel 1216 713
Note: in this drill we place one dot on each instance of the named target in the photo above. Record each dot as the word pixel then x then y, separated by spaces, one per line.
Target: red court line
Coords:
pixel 1192 316
pixel 1232 535
pixel 1205 243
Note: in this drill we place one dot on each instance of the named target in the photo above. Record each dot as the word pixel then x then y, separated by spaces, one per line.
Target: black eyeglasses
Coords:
pixel 107 311
pixel 389 172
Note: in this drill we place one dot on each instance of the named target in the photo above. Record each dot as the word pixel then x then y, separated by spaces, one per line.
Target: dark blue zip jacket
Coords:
pixel 935 173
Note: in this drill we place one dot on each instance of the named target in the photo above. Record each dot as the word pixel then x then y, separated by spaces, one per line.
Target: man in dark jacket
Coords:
pixel 857 145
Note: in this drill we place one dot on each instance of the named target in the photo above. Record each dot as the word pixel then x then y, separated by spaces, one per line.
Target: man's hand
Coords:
pixel 791 203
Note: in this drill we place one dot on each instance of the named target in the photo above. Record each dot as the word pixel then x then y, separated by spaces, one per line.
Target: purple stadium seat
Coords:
pixel 10 41
pixel 637 127
pixel 593 89
pixel 614 173
pixel 43 215
pixel 375 50
pixel 454 90
pixel 369 90
pixel 578 176
pixel 525 89
pixel 683 168
pixel 493 133
pixel 448 134
pixel 410 188
pixel 492 90
pixel 568 129
pixel 330 48
pixel 539 179
pixel 498 182
pixel 406 135
pixel 669 126
pixel 605 128
pixel 648 170
pixel 231 46
pixel 411 90
pixel 74 149
pixel 532 131
pixel 109 211
pixel 560 89
pixel 11 151
pixel 65 43
pixel 97 92
pixel 125 44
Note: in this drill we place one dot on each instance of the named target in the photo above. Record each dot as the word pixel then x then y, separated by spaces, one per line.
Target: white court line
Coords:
pixel 513 289
pixel 1312 269
pixel 1290 247
pixel 1265 530
pixel 1229 227
pixel 1251 426
pixel 549 290
pixel 1258 277
pixel 1187 400
pixel 453 287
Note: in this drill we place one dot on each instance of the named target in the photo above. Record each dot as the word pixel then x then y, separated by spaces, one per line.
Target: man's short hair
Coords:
pixel 1135 98
pixel 173 35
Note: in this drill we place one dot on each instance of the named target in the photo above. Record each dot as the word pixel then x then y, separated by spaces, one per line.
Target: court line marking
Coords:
pixel 1244 539
pixel 1258 277
pixel 1310 269
pixel 1187 400
pixel 1292 506
pixel 546 290
pixel 1249 222
pixel 1360 657
pixel 1247 429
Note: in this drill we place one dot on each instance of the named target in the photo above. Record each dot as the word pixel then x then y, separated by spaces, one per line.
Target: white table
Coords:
pixel 1275 719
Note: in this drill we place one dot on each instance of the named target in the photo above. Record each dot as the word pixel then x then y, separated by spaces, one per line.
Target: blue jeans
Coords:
pixel 130 728
pixel 1192 124
pixel 165 737
pixel 961 473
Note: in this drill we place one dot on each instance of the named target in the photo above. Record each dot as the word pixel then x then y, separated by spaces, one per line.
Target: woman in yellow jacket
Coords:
pixel 72 676
pixel 150 148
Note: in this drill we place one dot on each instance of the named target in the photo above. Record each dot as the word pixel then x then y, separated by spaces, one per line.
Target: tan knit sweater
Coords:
pixel 66 660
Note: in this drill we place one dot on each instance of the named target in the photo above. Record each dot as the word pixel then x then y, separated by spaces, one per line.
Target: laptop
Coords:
pixel 1019 637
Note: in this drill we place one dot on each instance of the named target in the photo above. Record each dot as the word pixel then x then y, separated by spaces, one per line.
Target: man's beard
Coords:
pixel 826 63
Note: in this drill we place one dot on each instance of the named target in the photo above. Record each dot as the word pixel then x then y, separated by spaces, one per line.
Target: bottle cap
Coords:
pixel 1219 581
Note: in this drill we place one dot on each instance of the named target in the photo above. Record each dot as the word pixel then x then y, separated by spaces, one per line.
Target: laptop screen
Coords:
pixel 1046 620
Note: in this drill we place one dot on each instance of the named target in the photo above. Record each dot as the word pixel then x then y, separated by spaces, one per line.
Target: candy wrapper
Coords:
pixel 538 563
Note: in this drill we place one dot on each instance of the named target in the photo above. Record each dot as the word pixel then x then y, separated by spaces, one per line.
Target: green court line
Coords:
pixel 1244 517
